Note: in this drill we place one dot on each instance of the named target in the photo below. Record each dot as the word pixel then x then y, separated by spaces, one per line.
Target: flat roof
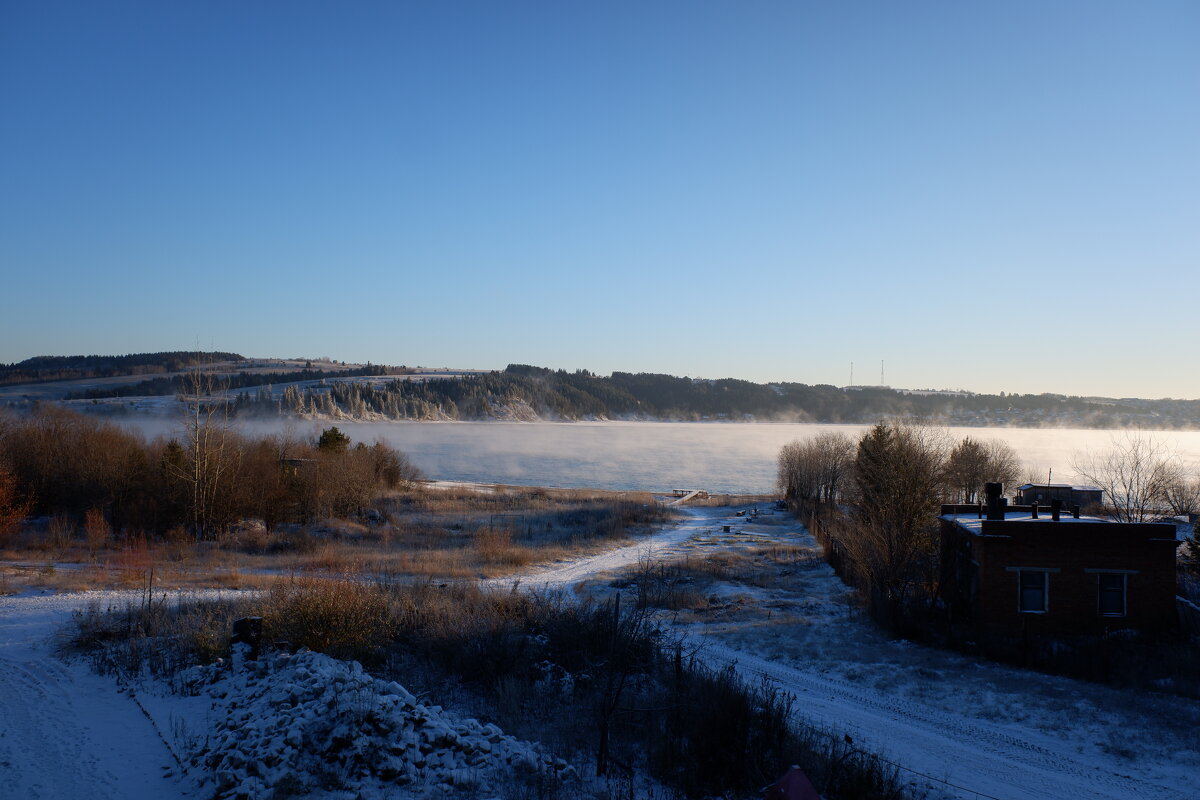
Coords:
pixel 1060 486
pixel 973 523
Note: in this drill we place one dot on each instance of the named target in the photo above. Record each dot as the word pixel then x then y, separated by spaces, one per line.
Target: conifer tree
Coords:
pixel 333 441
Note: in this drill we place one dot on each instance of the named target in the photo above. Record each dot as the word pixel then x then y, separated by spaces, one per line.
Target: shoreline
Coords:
pixel 156 416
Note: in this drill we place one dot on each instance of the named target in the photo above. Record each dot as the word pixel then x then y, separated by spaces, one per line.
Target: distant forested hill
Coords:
pixel 57 368
pixel 523 392
pixel 180 384
pixel 526 392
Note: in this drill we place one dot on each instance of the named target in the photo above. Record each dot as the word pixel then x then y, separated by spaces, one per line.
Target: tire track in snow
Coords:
pixel 66 733
pixel 43 754
pixel 968 752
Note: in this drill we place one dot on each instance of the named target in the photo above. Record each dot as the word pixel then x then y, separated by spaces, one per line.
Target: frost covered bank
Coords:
pixel 304 723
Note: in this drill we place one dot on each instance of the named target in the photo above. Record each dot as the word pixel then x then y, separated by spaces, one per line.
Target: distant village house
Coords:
pixel 1044 493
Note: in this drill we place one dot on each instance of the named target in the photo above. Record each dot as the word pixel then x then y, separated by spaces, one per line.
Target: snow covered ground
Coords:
pixel 961 727
pixel 65 732
pixel 314 725
pixel 664 544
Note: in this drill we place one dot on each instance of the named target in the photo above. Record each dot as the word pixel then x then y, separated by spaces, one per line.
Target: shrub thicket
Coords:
pixel 587 676
pixel 54 461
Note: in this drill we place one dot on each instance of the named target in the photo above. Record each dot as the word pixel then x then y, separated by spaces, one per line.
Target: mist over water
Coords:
pixel 657 456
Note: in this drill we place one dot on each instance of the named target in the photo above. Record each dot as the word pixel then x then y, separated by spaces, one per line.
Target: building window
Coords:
pixel 1111 591
pixel 1034 591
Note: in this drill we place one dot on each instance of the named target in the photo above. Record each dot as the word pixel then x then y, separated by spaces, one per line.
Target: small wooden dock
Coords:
pixel 684 495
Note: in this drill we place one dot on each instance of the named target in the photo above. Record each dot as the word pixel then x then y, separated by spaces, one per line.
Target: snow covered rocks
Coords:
pixel 305 724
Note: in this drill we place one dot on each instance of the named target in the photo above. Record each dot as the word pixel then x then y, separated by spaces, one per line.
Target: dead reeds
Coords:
pixel 576 676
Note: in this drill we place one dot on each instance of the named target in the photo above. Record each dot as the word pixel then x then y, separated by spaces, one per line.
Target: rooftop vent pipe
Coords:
pixel 995 506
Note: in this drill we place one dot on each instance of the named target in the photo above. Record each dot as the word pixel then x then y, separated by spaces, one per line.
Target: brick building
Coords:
pixel 1023 570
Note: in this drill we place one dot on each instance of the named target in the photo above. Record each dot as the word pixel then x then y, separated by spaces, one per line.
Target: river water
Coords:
pixel 658 456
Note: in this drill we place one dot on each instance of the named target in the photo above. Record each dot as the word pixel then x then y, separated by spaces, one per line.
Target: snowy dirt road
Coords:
pixel 65 732
pixel 967 757
pixel 660 545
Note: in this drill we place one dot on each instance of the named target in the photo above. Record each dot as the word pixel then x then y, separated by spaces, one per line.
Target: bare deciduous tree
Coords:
pixel 971 464
pixel 13 508
pixel 1183 495
pixel 816 470
pixel 392 467
pixel 209 454
pixel 96 529
pixel 623 659
pixel 1191 553
pixel 1136 474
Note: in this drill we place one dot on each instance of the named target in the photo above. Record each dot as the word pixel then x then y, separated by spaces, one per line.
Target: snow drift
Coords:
pixel 299 724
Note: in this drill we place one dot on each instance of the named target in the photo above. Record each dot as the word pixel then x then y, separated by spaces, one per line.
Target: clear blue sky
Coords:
pixel 764 190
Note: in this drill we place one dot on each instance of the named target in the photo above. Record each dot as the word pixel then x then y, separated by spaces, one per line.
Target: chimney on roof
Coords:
pixel 995 507
pixel 1055 509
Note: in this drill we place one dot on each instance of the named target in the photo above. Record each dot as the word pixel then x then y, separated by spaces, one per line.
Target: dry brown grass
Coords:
pixel 761 565
pixel 689 583
pixel 678 721
pixel 127 569
pixel 502 497
pixel 723 500
pixel 426 534
pixel 76 580
pixel 345 618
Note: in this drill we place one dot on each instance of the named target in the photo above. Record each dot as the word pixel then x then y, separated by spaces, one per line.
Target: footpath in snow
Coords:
pixel 654 547
pixel 65 732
